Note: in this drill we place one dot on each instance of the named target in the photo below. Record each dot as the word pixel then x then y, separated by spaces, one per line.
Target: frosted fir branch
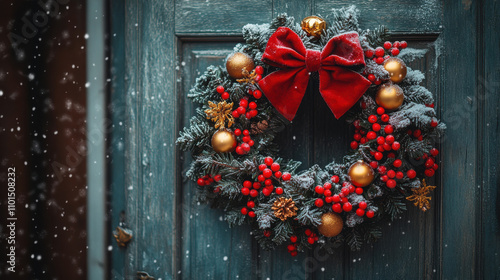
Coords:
pixel 418 94
pixel 413 77
pixel 354 240
pixel 234 217
pixel 309 215
pixel 410 54
pixel 265 216
pixel 353 220
pixel 376 69
pixel 282 232
pixel 415 114
pixel 194 136
pixel 371 39
pixel 206 84
pixel 341 21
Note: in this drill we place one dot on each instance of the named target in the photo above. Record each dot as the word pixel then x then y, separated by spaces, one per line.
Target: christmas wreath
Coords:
pixel 363 79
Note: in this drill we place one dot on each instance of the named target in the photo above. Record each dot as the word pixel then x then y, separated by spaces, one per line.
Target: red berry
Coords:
pixel 266 192
pixel 335 198
pixel 268 182
pixel 374 164
pixel 380 110
pixel 347 207
pixel 411 173
pixel 335 179
pixel 354 145
pixel 337 208
pixel 370 214
pixel 268 161
pixel 220 89
pixel 360 212
pixel 245 191
pixel 319 202
pixel 329 199
pixel 391 155
pixel 319 189
pixel 434 152
pixel 293 238
pixel 246 132
pixel 200 182
pixel 396 44
pixel 372 119
pixel 363 205
pixel 225 95
pixel 399 175
pixel 391 183
pixel 380 148
pixel 245 147
pixel 310 240
pixel 397 163
pixel 251 214
pixel 308 232
pixel 394 51
pixel 384 178
pixel 267 173
pixel 387 45
pixel 251 143
pixel 376 127
pixel 327 192
pixel 380 140
pixel 403 44
pixel 378 155
pixel 434 123
pixel 396 146
pixel 357 136
pixel 371 78
pixel 286 176
pixel 356 123
pixel 379 52
pixel 294 253
pixel 277 174
pixel 237 132
pixel 252 105
pixel 235 114
pixel 385 118
pixel 382 169
pixel 417 133
pixel 279 190
pixel 256 185
pixel 371 135
pixel 378 82
pixel 246 139
pixel 259 70
pixel 262 167
pixel 379 60
pixel 257 94
pixel 217 177
pixel 388 129
pixel 254 193
pixel 369 53
pixel 345 190
pixel 387 147
pixel 244 211
pixel 327 186
pixel 258 78
pixel 261 178
pixel 435 166
pixel 243 103
pixel 250 204
pixel 267 233
pixel 275 167
pixel 391 174
pixel 247 184
pixel 359 190
pixel 429 172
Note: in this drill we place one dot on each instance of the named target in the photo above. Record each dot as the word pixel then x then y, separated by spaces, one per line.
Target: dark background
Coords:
pixel 42 135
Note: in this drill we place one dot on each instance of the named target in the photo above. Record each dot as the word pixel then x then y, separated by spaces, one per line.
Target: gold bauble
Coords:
pixel 396 68
pixel 331 224
pixel 237 62
pixel 313 25
pixel 389 96
pixel 223 141
pixel 361 174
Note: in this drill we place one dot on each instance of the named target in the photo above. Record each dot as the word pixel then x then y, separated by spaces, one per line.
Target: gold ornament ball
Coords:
pixel 223 141
pixel 313 25
pixel 396 68
pixel 361 174
pixel 390 96
pixel 331 224
pixel 237 62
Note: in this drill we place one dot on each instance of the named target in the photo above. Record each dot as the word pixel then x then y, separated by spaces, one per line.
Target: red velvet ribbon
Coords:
pixel 340 87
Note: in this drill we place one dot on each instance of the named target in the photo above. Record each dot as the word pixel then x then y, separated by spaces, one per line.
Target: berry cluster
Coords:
pixel 248 109
pixel 207 180
pixel 378 125
pixel 243 148
pixel 340 201
pixel 430 162
pixel 248 210
pixel 380 54
pixel 292 248
pixel 223 93
pixel 311 236
pixel 259 71
pixel 266 181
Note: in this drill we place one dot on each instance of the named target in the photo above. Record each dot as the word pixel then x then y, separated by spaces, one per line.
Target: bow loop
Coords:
pixel 340 87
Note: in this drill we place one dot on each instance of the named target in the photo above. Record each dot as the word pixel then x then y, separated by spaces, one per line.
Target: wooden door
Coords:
pixel 159 48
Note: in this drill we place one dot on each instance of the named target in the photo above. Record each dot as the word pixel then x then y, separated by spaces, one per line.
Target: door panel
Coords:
pixel 167 45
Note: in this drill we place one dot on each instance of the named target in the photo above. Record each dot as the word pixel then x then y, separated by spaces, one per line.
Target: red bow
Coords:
pixel 341 88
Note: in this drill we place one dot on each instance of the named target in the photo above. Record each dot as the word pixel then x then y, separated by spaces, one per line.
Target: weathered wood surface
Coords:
pixel 168 44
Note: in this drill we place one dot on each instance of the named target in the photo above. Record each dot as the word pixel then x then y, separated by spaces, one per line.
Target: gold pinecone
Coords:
pixel 284 208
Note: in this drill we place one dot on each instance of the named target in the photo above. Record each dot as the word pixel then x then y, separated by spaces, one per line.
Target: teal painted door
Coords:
pixel 158 49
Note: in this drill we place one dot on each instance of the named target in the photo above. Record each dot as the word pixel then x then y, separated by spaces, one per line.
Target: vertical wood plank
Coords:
pixel 489 87
pixel 460 192
pixel 150 154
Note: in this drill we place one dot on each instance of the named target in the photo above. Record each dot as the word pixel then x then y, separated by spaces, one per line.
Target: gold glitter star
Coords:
pixel 421 196
pixel 219 113
pixel 248 77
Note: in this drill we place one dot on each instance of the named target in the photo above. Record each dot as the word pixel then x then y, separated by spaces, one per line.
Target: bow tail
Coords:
pixel 285 90
pixel 341 88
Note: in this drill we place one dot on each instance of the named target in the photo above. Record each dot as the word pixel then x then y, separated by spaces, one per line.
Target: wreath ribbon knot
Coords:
pixel 339 86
